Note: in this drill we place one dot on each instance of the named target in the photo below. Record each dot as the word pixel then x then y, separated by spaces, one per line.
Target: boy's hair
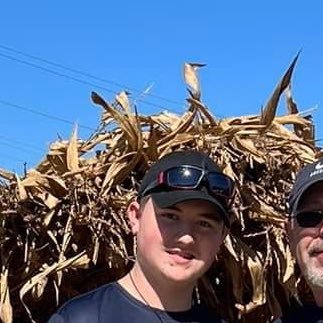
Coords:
pixel 143 201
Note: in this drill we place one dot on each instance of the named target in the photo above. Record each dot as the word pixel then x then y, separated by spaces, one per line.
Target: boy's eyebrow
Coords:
pixel 209 215
pixel 173 207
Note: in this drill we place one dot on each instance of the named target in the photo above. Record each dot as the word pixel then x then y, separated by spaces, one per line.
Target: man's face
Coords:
pixel 179 243
pixel 307 243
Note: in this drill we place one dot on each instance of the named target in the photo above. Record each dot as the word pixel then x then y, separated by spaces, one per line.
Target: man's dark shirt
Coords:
pixel 306 314
pixel 112 303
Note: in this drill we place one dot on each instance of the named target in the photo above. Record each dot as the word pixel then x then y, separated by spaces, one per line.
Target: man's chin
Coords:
pixel 314 276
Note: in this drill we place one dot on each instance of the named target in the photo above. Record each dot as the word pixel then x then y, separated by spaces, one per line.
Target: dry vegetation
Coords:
pixel 63 225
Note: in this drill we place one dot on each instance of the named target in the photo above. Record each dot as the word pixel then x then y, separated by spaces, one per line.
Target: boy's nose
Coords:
pixel 186 234
pixel 186 239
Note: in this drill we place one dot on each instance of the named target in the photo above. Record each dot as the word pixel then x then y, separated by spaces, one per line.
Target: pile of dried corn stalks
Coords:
pixel 63 225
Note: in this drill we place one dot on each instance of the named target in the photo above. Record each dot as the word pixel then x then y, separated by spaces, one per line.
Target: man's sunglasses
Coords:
pixel 309 219
pixel 188 177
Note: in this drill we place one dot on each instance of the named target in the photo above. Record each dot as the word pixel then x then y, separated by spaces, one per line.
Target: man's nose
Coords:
pixel 321 229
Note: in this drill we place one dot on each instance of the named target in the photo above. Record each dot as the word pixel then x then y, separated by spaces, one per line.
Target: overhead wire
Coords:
pixel 41 114
pixel 54 117
pixel 75 79
pixel 45 115
pixel 19 142
pixel 94 77
pixel 8 156
pixel 22 147
pixel 18 147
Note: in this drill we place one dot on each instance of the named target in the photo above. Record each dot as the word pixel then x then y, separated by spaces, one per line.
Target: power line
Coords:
pixel 45 115
pixel 57 118
pixel 17 147
pixel 54 72
pixel 24 144
pixel 6 156
pixel 75 79
pixel 21 148
pixel 23 163
pixel 123 86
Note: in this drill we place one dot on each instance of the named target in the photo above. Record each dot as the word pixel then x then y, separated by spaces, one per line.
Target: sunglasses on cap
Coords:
pixel 309 219
pixel 188 177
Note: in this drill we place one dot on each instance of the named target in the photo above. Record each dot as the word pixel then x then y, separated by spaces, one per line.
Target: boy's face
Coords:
pixel 179 243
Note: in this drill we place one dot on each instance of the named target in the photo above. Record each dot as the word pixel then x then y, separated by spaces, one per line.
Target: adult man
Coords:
pixel 180 220
pixel 305 231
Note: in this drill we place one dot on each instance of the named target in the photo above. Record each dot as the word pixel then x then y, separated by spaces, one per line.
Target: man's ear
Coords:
pixel 287 226
pixel 134 214
pixel 290 231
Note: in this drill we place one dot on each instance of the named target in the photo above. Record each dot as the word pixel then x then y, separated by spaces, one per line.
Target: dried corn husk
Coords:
pixel 65 219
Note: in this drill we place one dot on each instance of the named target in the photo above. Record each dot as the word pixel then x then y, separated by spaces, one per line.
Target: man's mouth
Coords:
pixel 316 252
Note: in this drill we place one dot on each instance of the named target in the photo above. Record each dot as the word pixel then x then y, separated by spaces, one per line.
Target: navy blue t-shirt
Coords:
pixel 112 303
pixel 306 314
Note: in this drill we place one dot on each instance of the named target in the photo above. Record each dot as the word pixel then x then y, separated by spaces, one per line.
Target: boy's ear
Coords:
pixel 225 232
pixel 134 213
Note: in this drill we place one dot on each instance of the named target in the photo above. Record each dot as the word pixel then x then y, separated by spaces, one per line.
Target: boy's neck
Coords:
pixel 163 295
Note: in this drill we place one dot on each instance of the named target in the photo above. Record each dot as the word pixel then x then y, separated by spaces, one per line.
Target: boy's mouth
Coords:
pixel 183 254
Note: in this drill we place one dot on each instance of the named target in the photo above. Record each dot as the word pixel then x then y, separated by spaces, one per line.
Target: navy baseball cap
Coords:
pixel 307 176
pixel 164 196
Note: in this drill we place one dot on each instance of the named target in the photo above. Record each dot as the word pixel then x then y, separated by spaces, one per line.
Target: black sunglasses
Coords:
pixel 309 219
pixel 188 177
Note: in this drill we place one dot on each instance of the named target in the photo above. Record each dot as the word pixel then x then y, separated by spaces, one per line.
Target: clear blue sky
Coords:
pixel 247 46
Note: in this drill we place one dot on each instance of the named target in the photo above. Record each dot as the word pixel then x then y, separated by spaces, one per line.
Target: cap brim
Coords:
pixel 168 199
pixel 294 203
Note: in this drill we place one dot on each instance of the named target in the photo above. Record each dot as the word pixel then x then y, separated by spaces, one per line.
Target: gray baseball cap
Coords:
pixel 307 176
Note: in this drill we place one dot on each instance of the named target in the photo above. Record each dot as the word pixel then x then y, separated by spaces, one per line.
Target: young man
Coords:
pixel 180 221
pixel 305 231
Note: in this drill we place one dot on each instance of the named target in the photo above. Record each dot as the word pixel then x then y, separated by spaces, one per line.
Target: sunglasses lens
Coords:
pixel 183 177
pixel 309 219
pixel 220 184
pixel 189 177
